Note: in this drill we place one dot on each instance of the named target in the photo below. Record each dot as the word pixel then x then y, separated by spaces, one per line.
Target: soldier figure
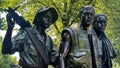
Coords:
pixel 106 51
pixel 75 46
pixel 22 43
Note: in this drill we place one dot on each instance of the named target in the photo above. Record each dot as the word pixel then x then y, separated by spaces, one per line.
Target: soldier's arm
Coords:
pixel 10 45
pixel 7 43
pixel 13 44
pixel 64 48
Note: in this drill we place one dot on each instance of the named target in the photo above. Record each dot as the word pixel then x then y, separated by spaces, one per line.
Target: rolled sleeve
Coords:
pixel 18 41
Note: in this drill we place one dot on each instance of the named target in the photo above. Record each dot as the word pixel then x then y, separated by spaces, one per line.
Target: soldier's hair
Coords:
pixel 83 8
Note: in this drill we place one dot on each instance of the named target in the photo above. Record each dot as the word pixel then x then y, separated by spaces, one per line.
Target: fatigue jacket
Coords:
pixel 108 51
pixel 27 51
pixel 80 55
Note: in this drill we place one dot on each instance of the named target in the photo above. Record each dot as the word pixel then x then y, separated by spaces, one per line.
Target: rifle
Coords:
pixel 92 51
pixel 18 19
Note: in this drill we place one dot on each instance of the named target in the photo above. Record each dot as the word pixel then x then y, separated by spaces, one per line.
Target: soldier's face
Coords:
pixel 47 19
pixel 88 15
pixel 101 23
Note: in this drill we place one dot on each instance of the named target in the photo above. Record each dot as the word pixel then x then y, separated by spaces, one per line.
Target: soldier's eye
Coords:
pixel 85 13
pixel 91 14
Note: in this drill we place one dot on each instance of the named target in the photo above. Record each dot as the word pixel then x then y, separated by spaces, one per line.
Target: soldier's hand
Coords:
pixel 16 19
pixel 10 21
pixel 20 21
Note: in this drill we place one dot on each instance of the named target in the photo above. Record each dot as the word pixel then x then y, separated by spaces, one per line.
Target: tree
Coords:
pixel 68 15
pixel 6 60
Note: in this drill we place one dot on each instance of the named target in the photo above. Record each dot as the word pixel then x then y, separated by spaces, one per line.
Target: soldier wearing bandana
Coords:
pixel 106 51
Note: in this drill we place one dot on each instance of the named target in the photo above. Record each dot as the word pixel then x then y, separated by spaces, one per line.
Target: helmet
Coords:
pixel 43 10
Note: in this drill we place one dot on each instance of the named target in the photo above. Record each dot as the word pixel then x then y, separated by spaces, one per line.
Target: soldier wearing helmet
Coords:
pixel 41 12
pixel 29 54
pixel 75 49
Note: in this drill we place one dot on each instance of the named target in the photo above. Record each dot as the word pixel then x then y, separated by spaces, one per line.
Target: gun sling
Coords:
pixel 37 44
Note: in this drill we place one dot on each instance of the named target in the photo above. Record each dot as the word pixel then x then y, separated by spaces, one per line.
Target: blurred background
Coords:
pixel 68 15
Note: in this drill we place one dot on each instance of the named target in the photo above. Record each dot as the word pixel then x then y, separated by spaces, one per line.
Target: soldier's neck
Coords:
pixel 99 33
pixel 84 27
pixel 41 30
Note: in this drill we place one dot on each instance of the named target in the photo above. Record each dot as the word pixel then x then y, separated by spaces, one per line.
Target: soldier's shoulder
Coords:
pixel 73 27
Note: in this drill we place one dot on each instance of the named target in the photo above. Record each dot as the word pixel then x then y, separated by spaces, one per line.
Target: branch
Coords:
pixel 56 7
pixel 90 2
pixel 56 28
pixel 39 2
pixel 46 1
pixel 59 14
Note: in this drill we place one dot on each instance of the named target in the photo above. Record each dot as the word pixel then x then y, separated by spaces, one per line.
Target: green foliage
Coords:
pixel 111 9
pixel 6 60
pixel 2 24
pixel 68 14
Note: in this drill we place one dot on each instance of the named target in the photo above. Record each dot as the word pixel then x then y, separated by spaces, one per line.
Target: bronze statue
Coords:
pixel 77 49
pixel 106 51
pixel 35 47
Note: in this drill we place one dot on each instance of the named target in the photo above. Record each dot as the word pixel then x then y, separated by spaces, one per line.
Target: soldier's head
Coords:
pixel 100 22
pixel 45 16
pixel 86 14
